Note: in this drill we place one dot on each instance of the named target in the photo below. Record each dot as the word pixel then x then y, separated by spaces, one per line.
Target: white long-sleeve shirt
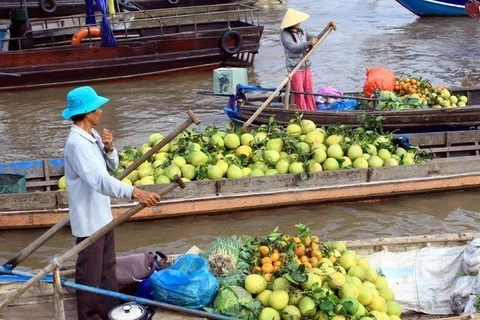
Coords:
pixel 89 184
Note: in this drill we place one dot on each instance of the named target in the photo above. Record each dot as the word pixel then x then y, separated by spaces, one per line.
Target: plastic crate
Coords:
pixel 12 183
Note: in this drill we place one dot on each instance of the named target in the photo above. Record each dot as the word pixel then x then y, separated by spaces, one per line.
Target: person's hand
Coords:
pixel 146 198
pixel 332 25
pixel 313 41
pixel 107 140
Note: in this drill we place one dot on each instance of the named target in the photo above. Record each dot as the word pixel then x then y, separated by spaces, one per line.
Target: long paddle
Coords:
pixel 85 243
pixel 331 26
pixel 27 251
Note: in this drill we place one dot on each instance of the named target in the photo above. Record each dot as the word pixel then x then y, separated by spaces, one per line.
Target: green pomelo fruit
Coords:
pixel 260 136
pixel 256 173
pixel 278 299
pixel 384 154
pixel 336 279
pixel 294 296
pixel 179 161
pixel 260 165
pixel 375 162
pixel 307 306
pixel 316 146
pixel 303 148
pixel 133 176
pixel 234 172
pixel 214 172
pixel 295 167
pixel 338 245
pixel 271 172
pixel 321 315
pixel 378 303
pixel 348 290
pixel 355 281
pixel 315 167
pixel 247 139
pixel 282 165
pixel 188 171
pixel 360 163
pixel 307 126
pixel 371 149
pixel 346 163
pixel 281 283
pixel 145 171
pixel 217 140
pixel 330 164
pixel 232 141
pixel 314 137
pixel 124 180
pixel 319 155
pixel 263 297
pixel 354 152
pixel 161 156
pixel 269 314
pixel 363 263
pixel 171 171
pixel 312 278
pixel 62 183
pixel 291 312
pixel 394 308
pixel 348 259
pixel 357 271
pixel 334 139
pixel 197 158
pixel 400 151
pixel 361 310
pixel 154 139
pixel 387 294
pixel 381 282
pixel 294 130
pixel 271 156
pixel 275 144
pixel 223 164
pixel 365 295
pixel 390 162
pixel 145 181
pixel 255 283
pixel 335 151
pixel 243 150
pixel 246 172
pixel 371 275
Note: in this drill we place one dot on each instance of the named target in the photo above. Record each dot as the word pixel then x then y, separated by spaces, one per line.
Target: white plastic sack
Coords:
pixel 471 257
pixel 422 280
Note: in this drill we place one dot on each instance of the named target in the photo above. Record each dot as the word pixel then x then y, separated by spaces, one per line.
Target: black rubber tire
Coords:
pixel 238 39
pixel 49 6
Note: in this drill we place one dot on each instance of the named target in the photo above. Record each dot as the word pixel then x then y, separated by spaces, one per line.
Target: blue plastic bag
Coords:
pixel 188 283
pixel 145 289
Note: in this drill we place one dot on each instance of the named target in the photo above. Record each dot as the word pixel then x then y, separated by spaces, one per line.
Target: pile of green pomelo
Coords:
pixel 300 147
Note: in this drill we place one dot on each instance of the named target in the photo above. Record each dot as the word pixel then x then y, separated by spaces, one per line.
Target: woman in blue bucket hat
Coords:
pixel 89 157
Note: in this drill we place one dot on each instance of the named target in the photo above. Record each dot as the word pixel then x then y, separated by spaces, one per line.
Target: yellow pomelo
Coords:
pixel 363 263
pixel 365 295
pixel 307 306
pixel 124 180
pixel 244 150
pixel 348 259
pixel 386 293
pixel 354 280
pixel 394 309
pixel 263 297
pixel 371 275
pixel 378 303
pixel 281 283
pixel 278 299
pixel 312 278
pixel 334 139
pixel 255 283
pixel 62 183
pixel 348 290
pixel 290 313
pixel 381 282
pixel 294 297
pixel 357 271
pixel 336 279
pixel 269 314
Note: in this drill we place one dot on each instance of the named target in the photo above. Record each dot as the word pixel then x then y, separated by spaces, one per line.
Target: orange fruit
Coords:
pixel 264 250
pixel 268 276
pixel 274 256
pixel 300 251
pixel 267 268
pixel 266 260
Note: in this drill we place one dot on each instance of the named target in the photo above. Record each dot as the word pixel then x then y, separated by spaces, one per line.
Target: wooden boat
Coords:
pixel 42 294
pixel 430 8
pixel 240 108
pixel 55 8
pixel 155 45
pixel 456 167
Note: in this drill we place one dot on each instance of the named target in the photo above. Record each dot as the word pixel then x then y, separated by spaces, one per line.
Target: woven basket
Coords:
pixel 12 183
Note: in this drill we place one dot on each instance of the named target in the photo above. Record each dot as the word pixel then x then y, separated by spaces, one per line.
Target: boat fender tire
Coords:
pixel 173 1
pixel 49 6
pixel 85 32
pixel 238 39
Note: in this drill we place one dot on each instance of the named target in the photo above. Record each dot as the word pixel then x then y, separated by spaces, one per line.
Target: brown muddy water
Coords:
pixel 370 33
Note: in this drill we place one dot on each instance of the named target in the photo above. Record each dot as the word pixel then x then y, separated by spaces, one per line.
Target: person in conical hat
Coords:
pixel 296 43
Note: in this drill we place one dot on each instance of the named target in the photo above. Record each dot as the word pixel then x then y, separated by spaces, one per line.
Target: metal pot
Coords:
pixel 130 311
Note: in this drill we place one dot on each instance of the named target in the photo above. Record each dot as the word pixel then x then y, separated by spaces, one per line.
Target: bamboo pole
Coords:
pixel 58 295
pixel 321 36
pixel 27 251
pixel 82 245
pixel 286 102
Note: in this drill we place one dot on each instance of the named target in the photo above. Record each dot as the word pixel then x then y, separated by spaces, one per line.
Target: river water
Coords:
pixel 370 33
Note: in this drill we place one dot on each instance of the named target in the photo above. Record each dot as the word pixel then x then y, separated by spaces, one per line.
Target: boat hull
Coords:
pixel 455 168
pixel 141 52
pixel 429 8
pixel 71 7
pixel 400 121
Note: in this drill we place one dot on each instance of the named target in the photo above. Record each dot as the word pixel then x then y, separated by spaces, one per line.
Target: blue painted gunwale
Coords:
pixel 431 8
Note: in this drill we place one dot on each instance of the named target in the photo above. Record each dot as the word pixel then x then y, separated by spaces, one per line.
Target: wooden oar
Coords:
pixel 27 251
pixel 85 243
pixel 331 26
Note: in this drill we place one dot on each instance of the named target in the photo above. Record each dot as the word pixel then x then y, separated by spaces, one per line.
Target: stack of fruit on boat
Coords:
pixel 299 148
pixel 297 277
pixel 418 93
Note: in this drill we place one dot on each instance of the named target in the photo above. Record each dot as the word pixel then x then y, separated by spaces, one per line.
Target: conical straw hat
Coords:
pixel 292 17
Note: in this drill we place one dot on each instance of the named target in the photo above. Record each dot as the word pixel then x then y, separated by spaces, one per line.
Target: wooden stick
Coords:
pixel 321 36
pixel 58 295
pixel 85 243
pixel 26 252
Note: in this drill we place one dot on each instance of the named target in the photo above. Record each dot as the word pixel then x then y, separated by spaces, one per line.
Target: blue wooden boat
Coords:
pixel 432 8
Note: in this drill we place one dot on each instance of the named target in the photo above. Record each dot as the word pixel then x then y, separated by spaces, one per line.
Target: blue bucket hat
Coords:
pixel 82 100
